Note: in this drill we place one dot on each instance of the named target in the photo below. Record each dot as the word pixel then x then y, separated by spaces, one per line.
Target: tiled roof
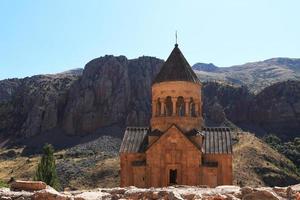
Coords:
pixel 176 68
pixel 217 140
pixel 134 140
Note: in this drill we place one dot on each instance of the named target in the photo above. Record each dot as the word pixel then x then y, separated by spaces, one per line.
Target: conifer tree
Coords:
pixel 46 170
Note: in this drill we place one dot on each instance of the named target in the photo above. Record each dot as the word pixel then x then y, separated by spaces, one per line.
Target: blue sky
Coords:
pixel 48 36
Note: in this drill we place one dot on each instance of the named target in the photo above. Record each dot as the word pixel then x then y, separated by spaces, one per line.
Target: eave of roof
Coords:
pixel 181 132
pixel 133 140
pixel 217 140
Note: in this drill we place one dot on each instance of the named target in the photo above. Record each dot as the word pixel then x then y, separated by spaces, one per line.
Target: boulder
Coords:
pixel 215 197
pixel 92 195
pixel 49 195
pixel 296 187
pixel 6 193
pixel 261 195
pixel 28 185
pixel 5 198
pixel 173 195
pixel 298 196
pixel 246 190
pixel 168 193
pixel 282 192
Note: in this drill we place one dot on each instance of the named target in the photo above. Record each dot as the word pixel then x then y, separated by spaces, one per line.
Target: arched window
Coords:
pixel 180 107
pixel 192 108
pixel 158 107
pixel 169 106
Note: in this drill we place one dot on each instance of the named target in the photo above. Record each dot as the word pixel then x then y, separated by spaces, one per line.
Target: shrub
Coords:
pixel 46 170
pixel 290 149
pixel 3 184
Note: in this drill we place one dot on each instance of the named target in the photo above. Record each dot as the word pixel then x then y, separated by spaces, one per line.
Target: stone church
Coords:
pixel 177 148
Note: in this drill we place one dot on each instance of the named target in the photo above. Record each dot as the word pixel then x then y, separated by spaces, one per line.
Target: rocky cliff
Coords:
pixel 113 92
pixel 109 94
pixel 276 109
pixel 33 105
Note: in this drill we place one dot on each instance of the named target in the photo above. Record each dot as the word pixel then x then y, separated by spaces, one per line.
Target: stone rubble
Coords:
pixel 28 185
pixel 168 193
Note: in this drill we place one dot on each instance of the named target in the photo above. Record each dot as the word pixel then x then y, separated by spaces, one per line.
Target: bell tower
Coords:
pixel 176 95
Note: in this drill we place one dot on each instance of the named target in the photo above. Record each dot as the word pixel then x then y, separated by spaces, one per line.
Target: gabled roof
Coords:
pixel 217 140
pixel 176 68
pixel 180 131
pixel 134 140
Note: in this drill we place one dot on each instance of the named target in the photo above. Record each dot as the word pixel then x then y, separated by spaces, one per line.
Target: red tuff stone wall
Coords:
pixel 173 151
pixel 209 176
pixel 131 175
pixel 185 105
pixel 224 169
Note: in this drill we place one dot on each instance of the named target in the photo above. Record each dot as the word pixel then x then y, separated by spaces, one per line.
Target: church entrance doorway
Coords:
pixel 173 176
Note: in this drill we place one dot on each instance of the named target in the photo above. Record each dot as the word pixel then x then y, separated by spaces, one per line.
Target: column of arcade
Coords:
pixel 176 106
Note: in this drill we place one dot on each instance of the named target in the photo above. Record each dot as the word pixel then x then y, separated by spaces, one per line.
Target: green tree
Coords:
pixel 46 170
pixel 273 141
pixel 3 184
pixel 291 149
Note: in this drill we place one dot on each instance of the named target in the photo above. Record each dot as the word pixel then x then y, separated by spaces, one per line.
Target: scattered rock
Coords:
pixel 174 196
pixel 296 187
pixel 5 198
pixel 261 195
pixel 11 154
pixel 49 194
pixel 298 196
pixel 168 193
pixel 28 185
pixel 92 195
pixel 246 190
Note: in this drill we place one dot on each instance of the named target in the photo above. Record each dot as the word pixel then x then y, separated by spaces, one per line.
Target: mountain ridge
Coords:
pixel 255 75
pixel 115 92
pixel 79 114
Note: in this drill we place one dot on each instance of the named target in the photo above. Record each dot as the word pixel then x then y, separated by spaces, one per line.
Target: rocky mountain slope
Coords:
pixel 33 105
pixel 256 164
pixel 277 109
pixel 274 110
pixel 113 92
pixel 255 75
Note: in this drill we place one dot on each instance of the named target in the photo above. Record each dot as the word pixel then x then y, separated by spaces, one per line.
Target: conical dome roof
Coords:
pixel 176 68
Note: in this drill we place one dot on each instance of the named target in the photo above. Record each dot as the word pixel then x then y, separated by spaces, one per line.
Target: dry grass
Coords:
pixel 104 174
pixel 21 168
pixel 250 154
pixel 255 162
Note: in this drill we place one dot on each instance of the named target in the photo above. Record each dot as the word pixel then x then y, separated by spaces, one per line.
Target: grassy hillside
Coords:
pixel 257 164
pixel 90 165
